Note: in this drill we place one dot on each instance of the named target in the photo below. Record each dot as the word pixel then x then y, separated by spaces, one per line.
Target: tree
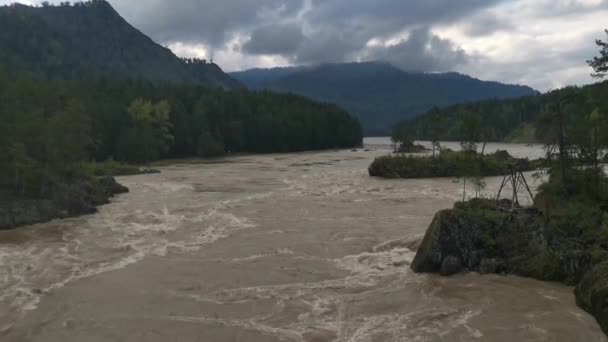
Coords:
pixel 600 64
pixel 471 131
pixel 551 128
pixel 69 135
pixel 23 168
pixel 435 129
pixel 153 127
pixel 402 137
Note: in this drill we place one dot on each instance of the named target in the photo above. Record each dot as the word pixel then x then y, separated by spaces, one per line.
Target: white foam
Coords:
pixel 71 261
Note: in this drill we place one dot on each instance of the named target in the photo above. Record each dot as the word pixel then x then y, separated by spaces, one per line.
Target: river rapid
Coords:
pixel 293 247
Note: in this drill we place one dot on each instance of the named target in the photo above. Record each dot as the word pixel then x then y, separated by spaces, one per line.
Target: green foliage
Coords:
pixel 109 167
pixel 402 137
pixel 471 130
pixel 435 129
pixel 152 127
pixel 47 127
pixel 600 64
pixel 447 164
pixel 500 120
pixel 587 190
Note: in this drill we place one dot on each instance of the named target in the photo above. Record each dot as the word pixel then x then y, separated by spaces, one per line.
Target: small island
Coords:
pixel 449 164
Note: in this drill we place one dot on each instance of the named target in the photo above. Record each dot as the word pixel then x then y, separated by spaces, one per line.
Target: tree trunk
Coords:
pixel 562 150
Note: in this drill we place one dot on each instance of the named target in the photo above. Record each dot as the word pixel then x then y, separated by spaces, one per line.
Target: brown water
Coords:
pixel 296 247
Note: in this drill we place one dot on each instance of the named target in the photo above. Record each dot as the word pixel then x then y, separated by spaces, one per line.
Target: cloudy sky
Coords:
pixel 541 43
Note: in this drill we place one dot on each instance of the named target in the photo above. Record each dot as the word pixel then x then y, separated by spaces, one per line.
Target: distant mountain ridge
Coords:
pixel 68 41
pixel 378 93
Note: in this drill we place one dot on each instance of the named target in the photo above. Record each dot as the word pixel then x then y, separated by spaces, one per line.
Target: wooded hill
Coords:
pixel 47 128
pixel 378 93
pixel 91 38
pixel 511 120
pixel 79 85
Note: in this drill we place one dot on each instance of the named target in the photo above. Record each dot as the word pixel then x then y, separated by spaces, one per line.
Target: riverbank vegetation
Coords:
pixel 563 236
pixel 69 103
pixel 51 129
pixel 470 161
pixel 448 164
pixel 514 120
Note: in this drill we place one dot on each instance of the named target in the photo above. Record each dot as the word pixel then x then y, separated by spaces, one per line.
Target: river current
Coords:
pixel 294 247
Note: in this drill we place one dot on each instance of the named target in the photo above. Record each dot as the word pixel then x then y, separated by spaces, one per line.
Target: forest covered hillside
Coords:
pixel 82 91
pixel 511 120
pixel 91 38
pixel 378 94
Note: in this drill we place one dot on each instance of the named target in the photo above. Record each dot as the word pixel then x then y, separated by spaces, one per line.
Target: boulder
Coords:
pixel 592 294
pixel 451 265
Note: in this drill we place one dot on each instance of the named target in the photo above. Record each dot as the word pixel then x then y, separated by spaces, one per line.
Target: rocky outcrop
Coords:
pixel 480 237
pixel 592 294
pixel 71 199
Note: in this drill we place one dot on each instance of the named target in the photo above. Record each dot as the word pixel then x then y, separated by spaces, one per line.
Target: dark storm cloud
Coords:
pixel 335 30
pixel 399 12
pixel 421 51
pixel 503 38
pixel 275 39
pixel 208 21
pixel 486 23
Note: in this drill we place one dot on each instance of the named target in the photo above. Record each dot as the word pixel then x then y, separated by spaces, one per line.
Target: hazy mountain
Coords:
pixel 379 94
pixel 70 41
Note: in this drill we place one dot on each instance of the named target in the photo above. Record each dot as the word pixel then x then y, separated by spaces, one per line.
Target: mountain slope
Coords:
pixel 512 120
pixel 92 38
pixel 379 94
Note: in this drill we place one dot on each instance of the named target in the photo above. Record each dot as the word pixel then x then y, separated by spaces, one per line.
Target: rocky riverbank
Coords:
pixel 479 236
pixel 68 200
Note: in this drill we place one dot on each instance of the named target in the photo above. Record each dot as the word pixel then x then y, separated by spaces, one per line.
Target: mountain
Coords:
pixel 69 41
pixel 512 120
pixel 378 93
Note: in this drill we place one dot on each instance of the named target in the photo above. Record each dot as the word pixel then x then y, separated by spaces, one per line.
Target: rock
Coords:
pixel 503 155
pixel 450 236
pixel 488 266
pixel 79 197
pixel 450 266
pixel 411 148
pixel 68 324
pixel 479 237
pixel 321 335
pixel 111 186
pixel 592 294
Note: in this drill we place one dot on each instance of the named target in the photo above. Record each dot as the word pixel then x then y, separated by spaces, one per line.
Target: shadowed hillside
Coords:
pixel 379 94
pixel 73 41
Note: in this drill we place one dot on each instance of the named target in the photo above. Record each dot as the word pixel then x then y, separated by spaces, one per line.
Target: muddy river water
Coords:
pixel 294 247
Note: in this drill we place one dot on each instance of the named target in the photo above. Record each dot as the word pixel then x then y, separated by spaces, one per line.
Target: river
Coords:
pixel 293 247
